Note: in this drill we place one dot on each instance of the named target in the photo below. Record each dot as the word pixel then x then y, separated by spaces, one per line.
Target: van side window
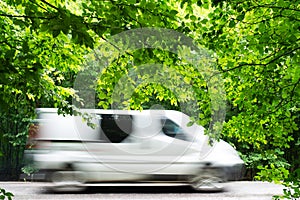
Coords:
pixel 172 129
pixel 115 128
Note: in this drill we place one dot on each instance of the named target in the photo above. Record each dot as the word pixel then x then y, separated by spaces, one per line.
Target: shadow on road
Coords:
pixel 130 189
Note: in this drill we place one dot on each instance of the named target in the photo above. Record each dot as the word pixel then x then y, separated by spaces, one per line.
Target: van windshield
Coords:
pixel 173 130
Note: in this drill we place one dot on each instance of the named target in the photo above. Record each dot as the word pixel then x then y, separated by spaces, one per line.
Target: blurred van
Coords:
pixel 125 146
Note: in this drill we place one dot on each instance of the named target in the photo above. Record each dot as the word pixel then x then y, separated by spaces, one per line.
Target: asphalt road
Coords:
pixel 243 190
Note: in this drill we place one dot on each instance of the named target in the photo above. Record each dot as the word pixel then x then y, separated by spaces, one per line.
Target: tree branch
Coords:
pixel 50 5
pixel 23 16
pixel 293 89
pixel 283 99
pixel 5 42
pixel 115 46
pixel 142 8
pixel 242 65
pixel 277 7
pixel 284 54
pixel 32 1
pixel 261 64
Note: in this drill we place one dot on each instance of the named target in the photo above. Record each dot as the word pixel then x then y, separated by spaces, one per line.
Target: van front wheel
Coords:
pixel 207 183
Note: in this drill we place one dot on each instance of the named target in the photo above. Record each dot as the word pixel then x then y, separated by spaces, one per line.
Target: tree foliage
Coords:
pixel 256 44
pixel 36 70
pixel 5 195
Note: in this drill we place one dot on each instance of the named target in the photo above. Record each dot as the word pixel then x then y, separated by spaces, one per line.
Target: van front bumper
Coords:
pixel 234 173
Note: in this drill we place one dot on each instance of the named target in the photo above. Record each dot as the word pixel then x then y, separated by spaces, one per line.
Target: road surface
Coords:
pixel 242 190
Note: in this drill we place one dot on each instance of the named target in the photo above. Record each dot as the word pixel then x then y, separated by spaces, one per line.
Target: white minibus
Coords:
pixel 128 147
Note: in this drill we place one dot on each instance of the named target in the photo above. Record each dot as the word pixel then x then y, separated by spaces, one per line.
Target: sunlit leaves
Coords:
pixel 33 62
pixel 258 44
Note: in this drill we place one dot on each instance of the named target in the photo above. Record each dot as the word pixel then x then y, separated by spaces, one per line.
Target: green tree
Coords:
pixel 256 44
pixel 42 46
pixel 33 72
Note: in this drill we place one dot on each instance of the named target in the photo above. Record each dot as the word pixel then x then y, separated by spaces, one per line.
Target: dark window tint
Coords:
pixel 115 128
pixel 172 129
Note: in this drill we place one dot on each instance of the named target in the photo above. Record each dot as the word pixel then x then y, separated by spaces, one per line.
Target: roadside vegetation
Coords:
pixel 255 45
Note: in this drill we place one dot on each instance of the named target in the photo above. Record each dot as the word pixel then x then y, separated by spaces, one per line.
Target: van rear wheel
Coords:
pixel 68 181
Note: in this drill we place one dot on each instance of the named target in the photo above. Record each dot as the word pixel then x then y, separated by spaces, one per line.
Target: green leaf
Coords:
pixel 173 12
pixel 241 17
pixel 204 21
pixel 193 17
pixel 199 3
pixel 231 23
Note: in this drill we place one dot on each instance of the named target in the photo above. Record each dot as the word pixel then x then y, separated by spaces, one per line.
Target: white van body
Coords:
pixel 130 146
